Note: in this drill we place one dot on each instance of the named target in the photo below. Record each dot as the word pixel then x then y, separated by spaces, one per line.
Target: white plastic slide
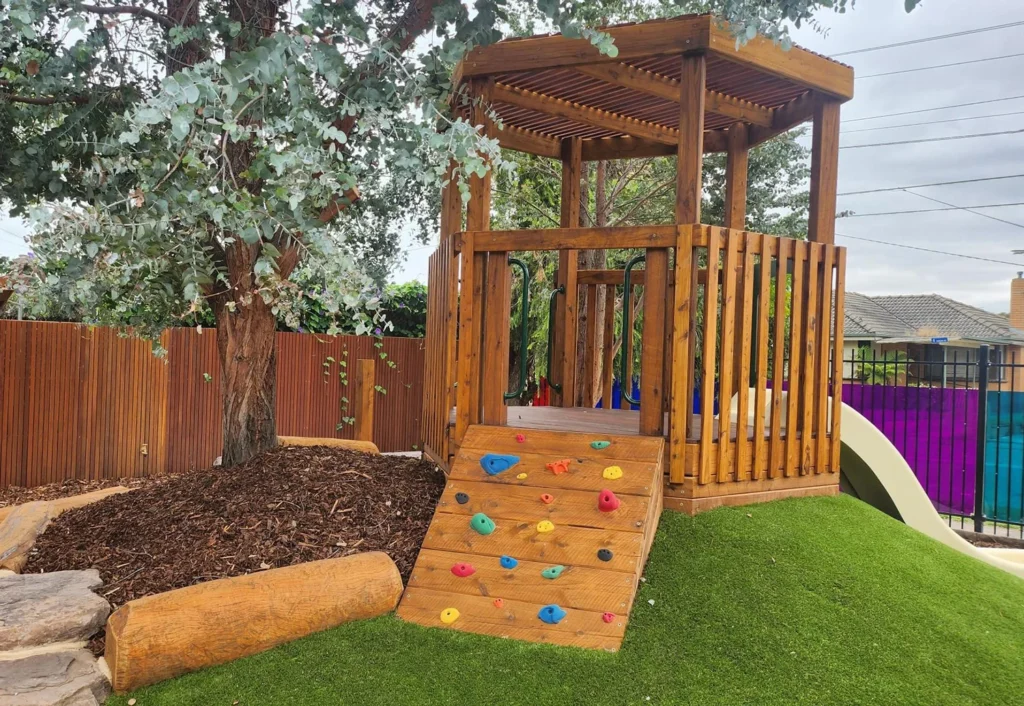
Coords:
pixel 878 474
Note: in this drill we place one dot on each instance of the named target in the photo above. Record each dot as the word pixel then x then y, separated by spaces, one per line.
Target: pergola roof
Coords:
pixel 549 88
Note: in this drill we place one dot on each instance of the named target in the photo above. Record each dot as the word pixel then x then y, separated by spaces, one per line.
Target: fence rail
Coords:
pixel 86 403
pixel 958 422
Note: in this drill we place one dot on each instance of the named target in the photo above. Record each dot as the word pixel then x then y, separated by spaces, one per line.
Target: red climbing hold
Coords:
pixel 607 502
pixel 520 438
pixel 608 617
pixel 498 603
pixel 558 467
pixel 463 570
pixel 547 498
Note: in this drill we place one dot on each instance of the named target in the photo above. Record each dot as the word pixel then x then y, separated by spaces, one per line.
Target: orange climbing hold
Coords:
pixel 559 467
pixel 498 603
pixel 547 498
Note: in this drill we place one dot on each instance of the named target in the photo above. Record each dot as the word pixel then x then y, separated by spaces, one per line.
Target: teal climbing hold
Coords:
pixel 508 562
pixel 551 614
pixel 600 444
pixel 493 464
pixel 482 523
pixel 552 572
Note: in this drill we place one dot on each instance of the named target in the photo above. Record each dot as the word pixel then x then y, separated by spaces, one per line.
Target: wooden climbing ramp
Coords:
pixel 535 552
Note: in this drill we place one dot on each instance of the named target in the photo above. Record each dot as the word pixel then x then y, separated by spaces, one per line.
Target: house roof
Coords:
pixel 923 317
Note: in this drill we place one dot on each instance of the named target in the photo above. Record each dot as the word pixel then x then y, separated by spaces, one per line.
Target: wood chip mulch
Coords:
pixel 15 495
pixel 286 506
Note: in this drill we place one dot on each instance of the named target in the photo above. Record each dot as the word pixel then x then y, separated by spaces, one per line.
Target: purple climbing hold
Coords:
pixel 551 614
pixel 493 464
pixel 461 498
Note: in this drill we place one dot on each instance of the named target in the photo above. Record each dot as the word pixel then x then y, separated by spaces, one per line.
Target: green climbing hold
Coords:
pixel 552 572
pixel 600 444
pixel 482 523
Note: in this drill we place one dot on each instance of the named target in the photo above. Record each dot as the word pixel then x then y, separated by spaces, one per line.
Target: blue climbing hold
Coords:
pixel 493 464
pixel 552 572
pixel 508 562
pixel 551 614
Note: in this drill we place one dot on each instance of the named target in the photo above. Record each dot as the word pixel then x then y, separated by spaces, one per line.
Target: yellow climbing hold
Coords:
pixel 449 615
pixel 612 473
pixel 521 476
pixel 545 526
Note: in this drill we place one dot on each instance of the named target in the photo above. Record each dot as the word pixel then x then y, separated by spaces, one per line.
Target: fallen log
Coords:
pixel 168 634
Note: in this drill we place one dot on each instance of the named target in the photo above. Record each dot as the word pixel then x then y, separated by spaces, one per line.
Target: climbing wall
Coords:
pixel 539 536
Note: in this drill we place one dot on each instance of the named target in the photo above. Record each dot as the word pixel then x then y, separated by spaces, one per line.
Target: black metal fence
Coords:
pixel 957 417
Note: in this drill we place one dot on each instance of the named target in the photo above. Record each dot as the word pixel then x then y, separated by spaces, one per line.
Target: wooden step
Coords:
pixel 590 585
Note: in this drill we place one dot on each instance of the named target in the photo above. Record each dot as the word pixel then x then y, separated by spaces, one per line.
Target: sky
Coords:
pixel 876 269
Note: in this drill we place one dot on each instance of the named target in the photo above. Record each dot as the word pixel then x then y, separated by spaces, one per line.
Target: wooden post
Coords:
pixel 821 226
pixel 689 163
pixel 736 177
pixel 466 394
pixel 365 393
pixel 563 358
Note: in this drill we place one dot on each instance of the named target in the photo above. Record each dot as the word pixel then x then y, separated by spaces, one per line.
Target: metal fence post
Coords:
pixel 979 465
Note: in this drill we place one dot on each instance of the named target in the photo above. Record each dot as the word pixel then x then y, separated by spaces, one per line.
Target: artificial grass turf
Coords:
pixel 811 601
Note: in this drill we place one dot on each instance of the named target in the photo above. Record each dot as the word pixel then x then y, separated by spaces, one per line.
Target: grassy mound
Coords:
pixel 815 601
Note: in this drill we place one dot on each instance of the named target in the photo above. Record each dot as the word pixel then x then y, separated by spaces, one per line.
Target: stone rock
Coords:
pixel 37 609
pixel 68 678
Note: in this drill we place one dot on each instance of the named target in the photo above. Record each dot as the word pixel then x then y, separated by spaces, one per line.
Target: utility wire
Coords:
pixel 942 66
pixel 965 208
pixel 937 252
pixel 933 210
pixel 931 39
pixel 928 110
pixel 932 139
pixel 924 186
pixel 931 122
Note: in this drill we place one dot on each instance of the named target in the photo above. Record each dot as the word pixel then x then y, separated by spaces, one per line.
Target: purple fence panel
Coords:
pixel 936 432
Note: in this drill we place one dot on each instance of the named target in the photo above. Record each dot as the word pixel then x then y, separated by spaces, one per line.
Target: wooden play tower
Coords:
pixel 741 331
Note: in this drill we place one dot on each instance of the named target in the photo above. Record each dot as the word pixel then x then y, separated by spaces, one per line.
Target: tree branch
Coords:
pixel 129 10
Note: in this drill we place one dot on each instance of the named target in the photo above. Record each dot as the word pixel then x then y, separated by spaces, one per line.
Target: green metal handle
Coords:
pixel 551 333
pixel 626 367
pixel 523 331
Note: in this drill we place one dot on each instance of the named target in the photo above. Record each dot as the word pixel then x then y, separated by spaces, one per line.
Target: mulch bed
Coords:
pixel 15 495
pixel 286 506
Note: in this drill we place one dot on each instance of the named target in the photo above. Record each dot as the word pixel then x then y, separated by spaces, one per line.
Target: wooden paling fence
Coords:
pixel 81 403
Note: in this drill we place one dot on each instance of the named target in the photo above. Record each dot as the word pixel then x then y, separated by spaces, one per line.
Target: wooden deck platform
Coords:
pixel 602 553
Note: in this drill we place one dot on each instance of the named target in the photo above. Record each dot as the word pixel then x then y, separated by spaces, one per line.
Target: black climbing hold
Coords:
pixel 604 554
pixel 461 498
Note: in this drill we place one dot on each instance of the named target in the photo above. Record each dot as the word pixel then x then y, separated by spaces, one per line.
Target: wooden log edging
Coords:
pixel 351 444
pixel 169 634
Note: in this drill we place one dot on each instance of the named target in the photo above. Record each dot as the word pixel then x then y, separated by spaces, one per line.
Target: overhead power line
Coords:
pixel 936 183
pixel 932 122
pixel 936 38
pixel 932 139
pixel 928 110
pixel 942 66
pixel 965 208
pixel 933 210
pixel 930 250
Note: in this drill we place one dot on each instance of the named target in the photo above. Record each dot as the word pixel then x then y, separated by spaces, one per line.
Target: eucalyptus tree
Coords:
pixel 176 152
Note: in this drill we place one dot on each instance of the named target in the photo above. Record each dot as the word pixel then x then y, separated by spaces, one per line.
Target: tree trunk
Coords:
pixel 245 343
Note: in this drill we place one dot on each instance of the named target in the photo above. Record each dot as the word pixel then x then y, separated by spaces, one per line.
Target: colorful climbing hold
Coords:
pixel 602 444
pixel 558 467
pixel 521 476
pixel 462 570
pixel 493 464
pixel 482 523
pixel 607 502
pixel 607 617
pixel 551 614
pixel 545 526
pixel 449 615
pixel 552 572
pixel 508 562
pixel 547 498
pixel 461 498
pixel 520 438
pixel 604 554
pixel 612 473
pixel 498 603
